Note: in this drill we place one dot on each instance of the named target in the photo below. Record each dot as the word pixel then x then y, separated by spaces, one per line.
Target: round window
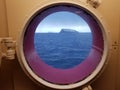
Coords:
pixel 63 45
pixel 63 39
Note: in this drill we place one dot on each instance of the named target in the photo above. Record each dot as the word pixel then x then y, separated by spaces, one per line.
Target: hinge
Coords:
pixel 94 3
pixel 87 88
pixel 7 48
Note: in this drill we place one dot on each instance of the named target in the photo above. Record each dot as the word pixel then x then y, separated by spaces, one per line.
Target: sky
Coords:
pixel 54 22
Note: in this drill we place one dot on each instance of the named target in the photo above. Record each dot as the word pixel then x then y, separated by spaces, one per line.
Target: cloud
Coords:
pixel 64 19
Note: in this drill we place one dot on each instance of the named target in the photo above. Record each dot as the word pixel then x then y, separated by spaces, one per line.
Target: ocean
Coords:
pixel 63 50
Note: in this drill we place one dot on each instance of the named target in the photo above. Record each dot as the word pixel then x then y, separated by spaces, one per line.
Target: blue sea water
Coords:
pixel 63 50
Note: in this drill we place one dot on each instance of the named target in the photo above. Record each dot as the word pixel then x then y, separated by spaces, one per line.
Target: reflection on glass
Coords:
pixel 63 40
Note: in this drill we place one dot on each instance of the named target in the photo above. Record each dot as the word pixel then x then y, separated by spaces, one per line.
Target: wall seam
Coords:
pixel 6 20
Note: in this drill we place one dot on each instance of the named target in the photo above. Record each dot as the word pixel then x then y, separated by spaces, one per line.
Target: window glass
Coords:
pixel 63 40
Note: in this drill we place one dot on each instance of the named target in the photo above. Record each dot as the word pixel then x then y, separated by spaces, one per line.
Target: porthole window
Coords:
pixel 63 45
pixel 63 39
pixel 35 60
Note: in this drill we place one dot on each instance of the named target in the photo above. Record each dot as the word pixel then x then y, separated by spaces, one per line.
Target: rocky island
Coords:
pixel 68 31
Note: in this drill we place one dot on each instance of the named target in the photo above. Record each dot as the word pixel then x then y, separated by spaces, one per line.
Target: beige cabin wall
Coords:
pixel 3 19
pixel 118 62
pixel 110 79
